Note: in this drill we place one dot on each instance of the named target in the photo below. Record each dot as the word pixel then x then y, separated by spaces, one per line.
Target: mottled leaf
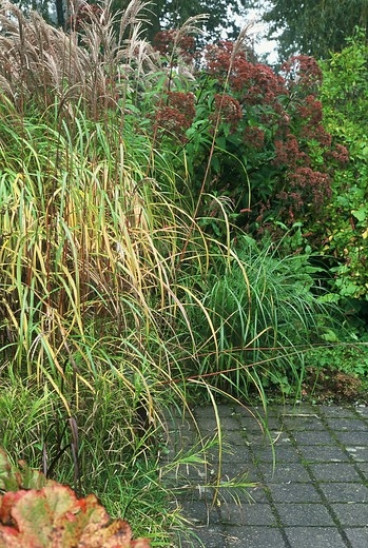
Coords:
pixel 53 516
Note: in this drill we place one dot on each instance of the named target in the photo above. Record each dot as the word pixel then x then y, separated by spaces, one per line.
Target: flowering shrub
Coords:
pixel 303 72
pixel 172 45
pixel 273 158
pixel 227 109
pixel 175 114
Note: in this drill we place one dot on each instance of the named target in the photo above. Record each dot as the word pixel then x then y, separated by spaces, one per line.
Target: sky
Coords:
pixel 257 32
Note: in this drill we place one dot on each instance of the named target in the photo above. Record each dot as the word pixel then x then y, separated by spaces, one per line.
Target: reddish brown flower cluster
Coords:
pixel 287 152
pixel 254 137
pixel 250 81
pixel 228 110
pixel 169 46
pixel 340 154
pixel 265 85
pixel 304 178
pixel 177 115
pixel 318 133
pixel 310 110
pixel 310 113
pixel 306 190
pixel 303 71
pixel 289 107
pixel 218 58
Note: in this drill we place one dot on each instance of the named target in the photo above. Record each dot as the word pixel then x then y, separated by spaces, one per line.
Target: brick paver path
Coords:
pixel 316 497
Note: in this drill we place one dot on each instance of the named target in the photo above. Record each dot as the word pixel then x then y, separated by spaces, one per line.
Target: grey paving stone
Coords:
pixel 352 438
pixel 209 424
pixel 259 494
pixel 301 443
pixel 358 537
pixel 316 537
pixel 313 438
pixel 264 454
pixel 277 440
pixel 336 411
pixel 250 411
pixel 224 410
pixel 205 537
pixel 334 472
pixel 362 410
pixel 345 492
pixel 363 467
pixel 252 424
pixel 199 512
pixel 247 514
pixel 282 454
pixel 352 515
pixel 254 537
pixel 295 493
pixel 276 437
pixel 358 453
pixel 241 495
pixel 310 422
pixel 242 457
pixel 307 515
pixel 297 409
pixel 180 440
pixel 272 411
pixel 280 438
pixel 245 471
pixel 349 425
pixel 235 438
pixel 316 453
pixel 184 475
pixel 284 473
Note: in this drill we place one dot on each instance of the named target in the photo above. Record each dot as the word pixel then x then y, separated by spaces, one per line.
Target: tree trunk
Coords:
pixel 60 13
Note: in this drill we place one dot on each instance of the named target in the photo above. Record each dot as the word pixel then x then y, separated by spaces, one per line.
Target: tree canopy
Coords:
pixel 313 27
pixel 161 14
pixel 173 13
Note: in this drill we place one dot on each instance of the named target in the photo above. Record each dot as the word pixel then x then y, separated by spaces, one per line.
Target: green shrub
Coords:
pixel 344 219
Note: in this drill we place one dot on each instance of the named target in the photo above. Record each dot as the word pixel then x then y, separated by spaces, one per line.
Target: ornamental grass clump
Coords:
pixel 98 255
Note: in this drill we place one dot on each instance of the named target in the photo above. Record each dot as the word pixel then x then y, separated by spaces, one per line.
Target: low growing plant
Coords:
pixel 36 512
pixel 265 314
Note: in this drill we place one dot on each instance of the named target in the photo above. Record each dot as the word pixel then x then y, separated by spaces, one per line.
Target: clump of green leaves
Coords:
pixel 344 220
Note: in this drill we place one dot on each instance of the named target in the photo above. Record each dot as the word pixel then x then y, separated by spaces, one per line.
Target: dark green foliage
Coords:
pixel 169 14
pixel 313 27
pixel 342 225
pixel 160 14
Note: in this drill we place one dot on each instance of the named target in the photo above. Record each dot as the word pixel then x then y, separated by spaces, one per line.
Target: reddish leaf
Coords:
pixel 53 516
pixel 49 514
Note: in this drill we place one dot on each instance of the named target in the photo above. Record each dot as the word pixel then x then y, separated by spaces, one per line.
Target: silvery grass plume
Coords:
pixel 98 55
pixel 43 62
